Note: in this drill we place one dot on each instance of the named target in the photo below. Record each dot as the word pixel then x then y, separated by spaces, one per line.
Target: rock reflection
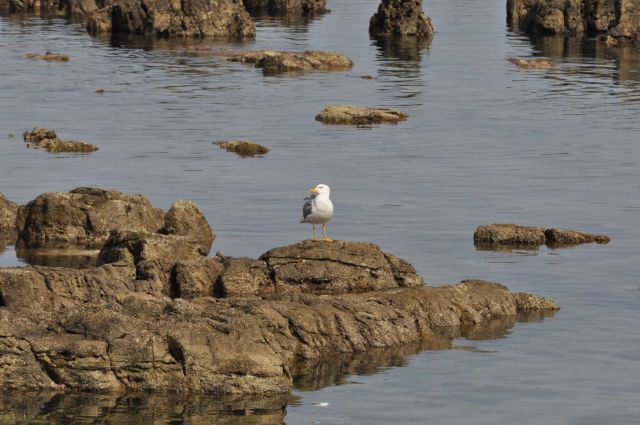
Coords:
pixel 40 408
pixel 73 257
pixel 402 48
pixel 400 65
pixel 6 240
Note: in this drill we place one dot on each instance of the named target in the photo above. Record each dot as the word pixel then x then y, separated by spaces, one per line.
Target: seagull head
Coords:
pixel 321 189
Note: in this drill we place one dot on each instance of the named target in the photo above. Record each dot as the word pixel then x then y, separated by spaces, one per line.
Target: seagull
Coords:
pixel 318 209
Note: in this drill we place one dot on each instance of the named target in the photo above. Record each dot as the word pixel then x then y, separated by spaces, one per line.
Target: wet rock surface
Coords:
pixel 47 139
pixel 8 213
pixel 347 114
pixel 286 7
pixel 48 56
pixel 495 236
pixel 616 18
pixel 279 62
pixel 533 63
pixel 83 217
pixel 163 18
pixel 400 18
pixel 244 148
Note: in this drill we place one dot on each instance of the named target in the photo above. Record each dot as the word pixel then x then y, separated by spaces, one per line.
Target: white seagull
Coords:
pixel 318 209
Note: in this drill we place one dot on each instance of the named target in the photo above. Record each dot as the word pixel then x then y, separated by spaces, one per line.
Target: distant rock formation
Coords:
pixel 400 18
pixel 278 62
pixel 286 7
pixel 616 18
pixel 495 236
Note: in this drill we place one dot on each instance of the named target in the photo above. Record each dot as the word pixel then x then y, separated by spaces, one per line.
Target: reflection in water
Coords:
pixel 74 258
pixel 195 409
pixel 402 48
pixel 5 240
pixel 400 61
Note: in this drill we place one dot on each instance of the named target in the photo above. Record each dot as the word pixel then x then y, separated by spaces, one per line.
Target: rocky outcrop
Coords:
pixel 616 18
pixel 47 139
pixel 533 63
pixel 62 8
pixel 400 18
pixel 8 213
pixel 48 56
pixel 353 115
pixel 164 18
pixel 185 218
pixel 279 62
pixel 83 217
pixel 495 236
pixel 286 7
pixel 244 148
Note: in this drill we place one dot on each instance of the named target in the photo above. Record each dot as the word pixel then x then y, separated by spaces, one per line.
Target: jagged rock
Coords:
pixel 63 8
pixel 244 148
pixel 347 114
pixel 528 302
pixel 276 62
pixel 533 63
pixel 494 236
pixel 617 18
pixel 8 212
pixel 46 138
pixel 337 267
pixel 83 217
pixel 185 218
pixel 196 278
pixel 286 7
pixel 48 56
pixel 560 237
pixel 164 18
pixel 400 18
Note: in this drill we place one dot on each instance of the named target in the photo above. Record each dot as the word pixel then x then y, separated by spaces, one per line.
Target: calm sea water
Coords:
pixel 486 142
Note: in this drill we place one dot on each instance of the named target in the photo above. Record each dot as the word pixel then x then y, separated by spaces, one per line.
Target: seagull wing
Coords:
pixel 307 208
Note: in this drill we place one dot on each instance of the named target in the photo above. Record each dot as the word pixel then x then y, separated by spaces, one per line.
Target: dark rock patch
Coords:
pixel 244 148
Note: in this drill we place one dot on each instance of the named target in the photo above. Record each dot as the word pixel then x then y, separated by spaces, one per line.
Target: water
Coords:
pixel 485 142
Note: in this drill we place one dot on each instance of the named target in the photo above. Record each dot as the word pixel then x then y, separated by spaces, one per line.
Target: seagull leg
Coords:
pixel 314 237
pixel 324 233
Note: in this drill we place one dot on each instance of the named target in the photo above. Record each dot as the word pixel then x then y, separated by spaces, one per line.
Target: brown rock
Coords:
pixel 533 63
pixel 162 18
pixel 285 7
pixel 45 138
pixel 49 57
pixel 186 219
pixel 526 302
pixel 196 278
pixel 244 148
pixel 276 62
pixel 347 114
pixel 488 235
pixel 400 18
pixel 560 237
pixel 8 212
pixel 83 217
pixel 242 277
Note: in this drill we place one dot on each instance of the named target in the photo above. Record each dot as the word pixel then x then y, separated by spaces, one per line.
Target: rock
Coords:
pixel 488 235
pixel 560 237
pixel 367 77
pixel 533 63
pixel 185 218
pixel 83 217
pixel 276 62
pixel 285 7
pixel 93 330
pixel 528 302
pixel 400 18
pixel 163 18
pixel 49 57
pixel 617 18
pixel 337 268
pixel 45 138
pixel 196 278
pixel 347 114
pixel 100 91
pixel 8 213
pixel 244 148
pixel 78 9
pixel 494 236
pixel 242 277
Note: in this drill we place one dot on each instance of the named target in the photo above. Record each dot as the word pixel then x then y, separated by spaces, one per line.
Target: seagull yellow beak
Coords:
pixel 314 190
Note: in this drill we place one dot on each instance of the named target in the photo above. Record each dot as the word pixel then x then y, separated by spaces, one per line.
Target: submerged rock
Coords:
pixel 494 236
pixel 347 114
pixel 533 63
pixel 400 18
pixel 46 138
pixel 49 57
pixel 286 7
pixel 616 18
pixel 83 217
pixel 244 148
pixel 276 62
pixel 8 213
pixel 163 18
